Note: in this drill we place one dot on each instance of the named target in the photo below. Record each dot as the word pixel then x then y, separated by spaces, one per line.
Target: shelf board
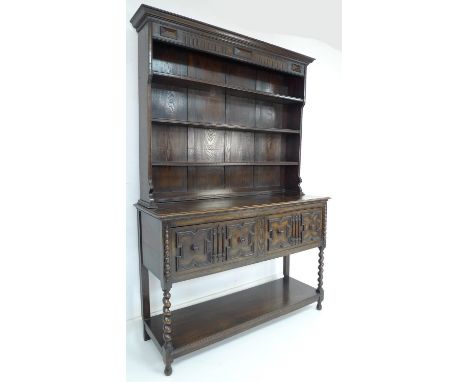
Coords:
pixel 171 79
pixel 191 164
pixel 203 324
pixel 222 126
pixel 223 193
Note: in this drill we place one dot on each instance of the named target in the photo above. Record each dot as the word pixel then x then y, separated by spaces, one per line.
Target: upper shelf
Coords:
pixel 171 79
pixel 217 164
pixel 222 126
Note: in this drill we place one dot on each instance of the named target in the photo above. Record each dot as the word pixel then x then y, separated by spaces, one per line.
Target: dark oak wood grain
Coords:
pixel 271 82
pixel 170 179
pixel 170 60
pixel 169 102
pixel 196 99
pixel 241 76
pixel 240 111
pixel 170 144
pixel 220 142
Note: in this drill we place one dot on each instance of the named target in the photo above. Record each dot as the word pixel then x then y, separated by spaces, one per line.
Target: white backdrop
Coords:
pixel 320 124
pixel 389 147
pixel 392 154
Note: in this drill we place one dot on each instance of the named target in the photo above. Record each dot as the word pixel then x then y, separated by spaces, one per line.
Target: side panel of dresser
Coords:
pixel 152 244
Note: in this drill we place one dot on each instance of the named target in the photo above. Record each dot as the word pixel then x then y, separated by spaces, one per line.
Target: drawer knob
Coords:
pixel 194 247
pixel 242 240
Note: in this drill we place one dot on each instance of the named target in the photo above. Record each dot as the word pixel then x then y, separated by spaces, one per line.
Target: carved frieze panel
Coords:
pixel 178 35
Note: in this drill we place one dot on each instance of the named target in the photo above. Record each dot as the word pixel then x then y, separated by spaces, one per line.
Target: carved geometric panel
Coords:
pixel 280 232
pixel 240 239
pixel 312 226
pixel 194 248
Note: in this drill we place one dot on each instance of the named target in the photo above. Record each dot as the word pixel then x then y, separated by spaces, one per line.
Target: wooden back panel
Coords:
pixel 218 120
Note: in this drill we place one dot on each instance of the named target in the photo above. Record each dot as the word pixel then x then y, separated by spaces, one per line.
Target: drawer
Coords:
pixel 239 239
pixel 301 228
pixel 194 247
pixel 205 245
pixel 202 246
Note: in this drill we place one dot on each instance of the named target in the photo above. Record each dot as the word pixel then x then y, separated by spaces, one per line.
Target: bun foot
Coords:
pixel 168 370
pixel 319 305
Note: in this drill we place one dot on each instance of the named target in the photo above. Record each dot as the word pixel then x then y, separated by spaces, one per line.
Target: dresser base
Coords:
pixel 203 324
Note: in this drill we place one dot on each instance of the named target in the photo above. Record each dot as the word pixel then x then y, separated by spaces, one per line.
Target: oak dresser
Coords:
pixel 220 140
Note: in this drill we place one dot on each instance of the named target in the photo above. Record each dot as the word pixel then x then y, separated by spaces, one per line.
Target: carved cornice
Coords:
pixel 206 37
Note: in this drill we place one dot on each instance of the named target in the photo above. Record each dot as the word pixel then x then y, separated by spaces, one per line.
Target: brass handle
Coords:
pixel 280 231
pixel 194 247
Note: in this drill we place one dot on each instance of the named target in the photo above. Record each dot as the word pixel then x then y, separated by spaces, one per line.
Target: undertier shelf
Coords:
pixel 200 325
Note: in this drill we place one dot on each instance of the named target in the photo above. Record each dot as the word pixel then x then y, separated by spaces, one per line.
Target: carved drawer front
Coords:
pixel 301 228
pixel 194 247
pixel 280 232
pixel 239 239
pixel 312 226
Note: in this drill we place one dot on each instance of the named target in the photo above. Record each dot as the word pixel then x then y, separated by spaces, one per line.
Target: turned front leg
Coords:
pixel 167 315
pixel 320 279
pixel 167 332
